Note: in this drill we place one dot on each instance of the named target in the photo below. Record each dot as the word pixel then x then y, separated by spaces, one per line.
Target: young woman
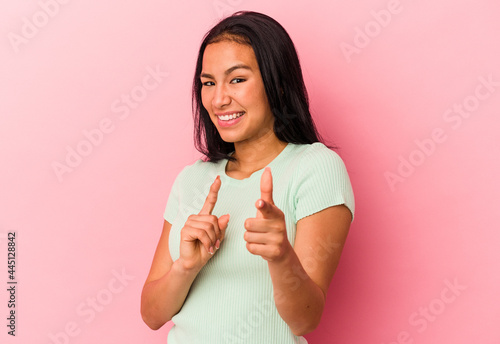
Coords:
pixel 253 233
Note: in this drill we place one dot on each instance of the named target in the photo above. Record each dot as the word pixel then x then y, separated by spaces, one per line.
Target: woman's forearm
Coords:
pixel 161 299
pixel 299 300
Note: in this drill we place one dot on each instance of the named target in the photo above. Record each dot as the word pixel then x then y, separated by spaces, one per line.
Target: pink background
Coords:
pixel 385 91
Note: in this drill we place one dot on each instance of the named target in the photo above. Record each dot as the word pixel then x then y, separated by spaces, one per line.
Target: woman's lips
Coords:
pixel 229 119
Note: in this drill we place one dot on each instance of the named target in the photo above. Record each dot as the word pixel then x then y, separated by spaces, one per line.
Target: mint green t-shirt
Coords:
pixel 231 300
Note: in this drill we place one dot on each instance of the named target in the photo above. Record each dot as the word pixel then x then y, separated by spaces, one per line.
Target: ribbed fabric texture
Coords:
pixel 231 300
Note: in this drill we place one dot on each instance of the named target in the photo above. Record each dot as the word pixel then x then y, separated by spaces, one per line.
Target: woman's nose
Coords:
pixel 221 97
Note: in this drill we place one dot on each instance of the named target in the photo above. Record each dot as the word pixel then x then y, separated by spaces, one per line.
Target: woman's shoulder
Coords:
pixel 316 152
pixel 198 168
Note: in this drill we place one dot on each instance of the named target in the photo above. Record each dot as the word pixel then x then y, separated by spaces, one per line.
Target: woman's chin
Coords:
pixel 229 138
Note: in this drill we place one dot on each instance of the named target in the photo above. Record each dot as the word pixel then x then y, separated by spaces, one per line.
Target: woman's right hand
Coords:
pixel 202 234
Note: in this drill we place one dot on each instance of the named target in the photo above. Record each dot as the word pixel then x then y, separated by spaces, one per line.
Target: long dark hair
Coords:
pixel 281 74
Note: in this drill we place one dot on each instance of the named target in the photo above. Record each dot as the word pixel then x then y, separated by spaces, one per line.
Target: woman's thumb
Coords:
pixel 223 221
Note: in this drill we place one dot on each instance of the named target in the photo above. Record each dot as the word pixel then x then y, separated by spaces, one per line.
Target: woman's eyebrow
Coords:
pixel 238 66
pixel 228 71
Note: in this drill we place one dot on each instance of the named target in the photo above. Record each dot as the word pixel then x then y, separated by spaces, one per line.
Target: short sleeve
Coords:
pixel 322 181
pixel 173 201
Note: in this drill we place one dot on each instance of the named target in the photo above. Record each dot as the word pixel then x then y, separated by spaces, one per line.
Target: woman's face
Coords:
pixel 233 92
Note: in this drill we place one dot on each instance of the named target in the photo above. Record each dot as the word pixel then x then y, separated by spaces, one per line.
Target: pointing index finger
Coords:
pixel 209 204
pixel 266 186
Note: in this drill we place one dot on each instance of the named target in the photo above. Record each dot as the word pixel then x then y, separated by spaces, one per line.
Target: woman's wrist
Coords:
pixel 286 257
pixel 184 268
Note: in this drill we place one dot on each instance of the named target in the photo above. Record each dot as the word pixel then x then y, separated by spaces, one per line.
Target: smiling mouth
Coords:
pixel 231 116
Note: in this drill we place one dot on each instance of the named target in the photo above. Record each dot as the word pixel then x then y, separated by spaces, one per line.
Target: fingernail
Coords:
pixel 217 244
pixel 211 250
pixel 261 203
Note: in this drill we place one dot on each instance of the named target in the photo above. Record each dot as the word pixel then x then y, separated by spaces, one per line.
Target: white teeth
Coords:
pixel 229 117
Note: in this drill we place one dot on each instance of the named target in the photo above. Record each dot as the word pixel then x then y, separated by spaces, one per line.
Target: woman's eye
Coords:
pixel 237 80
pixel 208 83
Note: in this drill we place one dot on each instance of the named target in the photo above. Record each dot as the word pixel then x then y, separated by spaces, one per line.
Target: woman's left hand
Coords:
pixel 266 233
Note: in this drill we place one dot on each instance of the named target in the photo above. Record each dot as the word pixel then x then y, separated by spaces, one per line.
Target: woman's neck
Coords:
pixel 255 155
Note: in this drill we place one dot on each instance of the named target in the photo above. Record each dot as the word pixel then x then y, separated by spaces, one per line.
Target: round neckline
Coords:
pixel 254 174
